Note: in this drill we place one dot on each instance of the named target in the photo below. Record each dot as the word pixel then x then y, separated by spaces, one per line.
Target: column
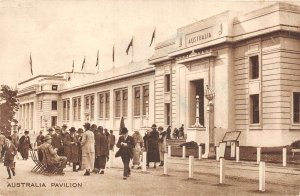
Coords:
pixel 96 109
pixel 111 110
pixel 31 114
pixel 25 116
pixel 129 108
pixel 82 110
pixel 71 113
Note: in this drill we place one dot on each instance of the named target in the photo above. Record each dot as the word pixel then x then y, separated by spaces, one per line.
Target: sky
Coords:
pixel 57 32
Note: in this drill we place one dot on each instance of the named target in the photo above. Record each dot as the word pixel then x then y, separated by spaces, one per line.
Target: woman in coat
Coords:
pixel 24 145
pixel 71 142
pixel 162 143
pixel 101 150
pixel 137 150
pixel 88 149
pixel 153 150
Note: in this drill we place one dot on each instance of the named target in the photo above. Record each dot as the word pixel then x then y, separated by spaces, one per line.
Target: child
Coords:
pixel 9 151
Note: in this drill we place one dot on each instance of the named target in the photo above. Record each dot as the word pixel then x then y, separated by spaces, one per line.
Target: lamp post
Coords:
pixel 197 123
pixel 209 142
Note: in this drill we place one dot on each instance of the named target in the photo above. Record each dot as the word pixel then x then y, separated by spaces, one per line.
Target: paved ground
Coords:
pixel 241 179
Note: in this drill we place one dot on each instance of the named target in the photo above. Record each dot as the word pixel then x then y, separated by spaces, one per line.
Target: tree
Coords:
pixel 8 107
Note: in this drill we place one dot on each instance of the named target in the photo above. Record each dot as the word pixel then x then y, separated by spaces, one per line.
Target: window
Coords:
pixel 54 105
pixel 53 121
pixel 167 83
pixel 254 67
pixel 66 109
pixel 296 109
pixel 54 87
pixel 254 109
pixel 118 104
pixel 76 108
pixel 145 99
pixel 101 105
pixel 125 102
pixel 107 106
pixel 137 100
pixel 41 105
pixel 89 106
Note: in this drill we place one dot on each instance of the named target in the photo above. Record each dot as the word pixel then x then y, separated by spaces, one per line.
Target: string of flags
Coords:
pixel 130 46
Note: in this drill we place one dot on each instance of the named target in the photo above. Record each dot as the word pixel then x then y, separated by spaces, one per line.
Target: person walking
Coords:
pixel 112 141
pixel 24 145
pixel 79 139
pixel 101 150
pixel 162 143
pixel 9 151
pixel 71 143
pixel 152 147
pixel 137 150
pixel 2 142
pixel 88 149
pixel 125 143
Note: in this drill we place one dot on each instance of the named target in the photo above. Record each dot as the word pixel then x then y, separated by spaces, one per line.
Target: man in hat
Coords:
pixel 2 142
pixel 56 140
pixel 15 138
pixel 79 139
pixel 71 147
pixel 101 150
pixel 50 155
pixel 10 151
pixel 88 149
pixel 39 139
pixel 152 146
pixel 125 143
pixel 25 145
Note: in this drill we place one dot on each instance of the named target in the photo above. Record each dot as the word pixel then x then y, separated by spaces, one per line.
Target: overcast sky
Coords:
pixel 56 32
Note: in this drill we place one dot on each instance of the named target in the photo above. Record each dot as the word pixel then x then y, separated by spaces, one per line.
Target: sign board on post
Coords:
pixel 221 151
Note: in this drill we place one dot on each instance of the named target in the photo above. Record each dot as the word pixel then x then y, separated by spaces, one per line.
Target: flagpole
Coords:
pixel 132 49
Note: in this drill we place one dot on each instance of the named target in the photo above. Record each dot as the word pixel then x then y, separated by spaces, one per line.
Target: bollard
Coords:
pixel 183 152
pixel 144 161
pixel 222 173
pixel 262 179
pixel 258 155
pixel 165 164
pixel 232 149
pixel 217 153
pixel 199 152
pixel 237 154
pixel 169 151
pixel 191 166
pixel 284 157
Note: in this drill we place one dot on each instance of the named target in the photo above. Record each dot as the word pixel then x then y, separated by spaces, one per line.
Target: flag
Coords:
pixel 83 64
pixel 113 54
pixel 153 37
pixel 30 62
pixel 97 62
pixel 129 45
pixel 122 125
pixel 73 67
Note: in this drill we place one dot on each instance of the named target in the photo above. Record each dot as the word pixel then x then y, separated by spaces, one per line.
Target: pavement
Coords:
pixel 241 179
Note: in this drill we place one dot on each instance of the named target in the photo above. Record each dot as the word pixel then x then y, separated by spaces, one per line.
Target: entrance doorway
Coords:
pixel 53 121
pixel 196 88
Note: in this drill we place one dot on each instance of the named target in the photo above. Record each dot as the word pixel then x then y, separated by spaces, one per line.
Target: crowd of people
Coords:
pixel 88 148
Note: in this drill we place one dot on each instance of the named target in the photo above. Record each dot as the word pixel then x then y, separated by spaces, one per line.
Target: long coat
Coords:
pixel 10 153
pixel 24 145
pixel 162 144
pixel 88 150
pixel 152 145
pixel 72 152
pixel 126 151
pixel 49 154
pixel 101 145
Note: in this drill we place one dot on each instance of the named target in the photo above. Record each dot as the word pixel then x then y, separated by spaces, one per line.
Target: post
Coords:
pixel 165 164
pixel 222 173
pixel 183 152
pixel 169 151
pixel 199 152
pixel 217 153
pixel 284 157
pixel 262 180
pixel 144 161
pixel 232 149
pixel 191 166
pixel 237 154
pixel 258 155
